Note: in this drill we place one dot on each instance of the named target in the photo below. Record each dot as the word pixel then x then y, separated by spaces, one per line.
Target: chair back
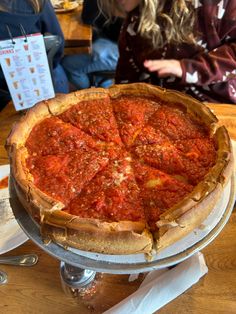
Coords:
pixel 52 45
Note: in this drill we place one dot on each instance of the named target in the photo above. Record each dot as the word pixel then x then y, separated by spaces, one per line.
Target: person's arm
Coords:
pixel 205 68
pixel 50 24
pixel 218 65
pixel 165 68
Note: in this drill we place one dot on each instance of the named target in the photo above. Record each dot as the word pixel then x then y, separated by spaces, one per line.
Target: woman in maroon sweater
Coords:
pixel 184 45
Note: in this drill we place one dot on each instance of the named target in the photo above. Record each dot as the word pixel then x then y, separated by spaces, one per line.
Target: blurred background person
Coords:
pixel 36 16
pixel 104 54
pixel 185 45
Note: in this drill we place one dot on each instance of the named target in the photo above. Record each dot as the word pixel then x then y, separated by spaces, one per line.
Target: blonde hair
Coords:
pixel 36 5
pixel 161 21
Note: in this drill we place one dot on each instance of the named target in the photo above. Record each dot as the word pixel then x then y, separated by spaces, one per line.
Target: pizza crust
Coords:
pixel 24 126
pixel 123 237
pixel 64 101
pixel 173 229
pixel 93 235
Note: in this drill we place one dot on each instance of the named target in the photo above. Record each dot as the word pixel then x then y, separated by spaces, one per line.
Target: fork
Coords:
pixel 21 260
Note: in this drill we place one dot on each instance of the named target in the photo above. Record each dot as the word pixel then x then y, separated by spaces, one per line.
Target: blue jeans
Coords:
pixel 104 57
pixel 60 80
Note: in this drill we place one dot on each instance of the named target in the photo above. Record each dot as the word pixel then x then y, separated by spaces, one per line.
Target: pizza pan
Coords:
pixel 135 263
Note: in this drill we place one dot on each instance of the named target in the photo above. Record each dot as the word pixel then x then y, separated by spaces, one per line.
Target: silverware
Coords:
pixel 3 277
pixel 21 260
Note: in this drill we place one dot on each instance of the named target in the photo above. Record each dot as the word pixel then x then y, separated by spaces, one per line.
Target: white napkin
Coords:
pixel 156 292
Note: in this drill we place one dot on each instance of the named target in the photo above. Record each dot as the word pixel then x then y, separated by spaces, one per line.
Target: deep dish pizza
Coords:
pixel 121 170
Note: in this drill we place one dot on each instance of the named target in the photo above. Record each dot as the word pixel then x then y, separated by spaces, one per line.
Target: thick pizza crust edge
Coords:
pixel 63 102
pixel 124 237
pixel 168 234
pixel 33 199
pixel 23 127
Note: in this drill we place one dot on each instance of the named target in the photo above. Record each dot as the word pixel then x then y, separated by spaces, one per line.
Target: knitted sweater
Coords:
pixel 209 67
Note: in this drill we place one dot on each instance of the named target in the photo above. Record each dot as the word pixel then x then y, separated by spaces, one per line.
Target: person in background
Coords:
pixel 104 54
pixel 36 16
pixel 185 45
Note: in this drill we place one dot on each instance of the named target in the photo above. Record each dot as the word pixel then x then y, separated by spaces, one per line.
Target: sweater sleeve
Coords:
pixel 129 68
pixel 50 24
pixel 216 66
pixel 219 64
pixel 124 73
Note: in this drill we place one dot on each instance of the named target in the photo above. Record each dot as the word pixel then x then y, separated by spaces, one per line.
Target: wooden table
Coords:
pixel 38 289
pixel 78 36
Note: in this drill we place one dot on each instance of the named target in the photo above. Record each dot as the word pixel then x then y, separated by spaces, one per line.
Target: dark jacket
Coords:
pixel 209 67
pixel 92 16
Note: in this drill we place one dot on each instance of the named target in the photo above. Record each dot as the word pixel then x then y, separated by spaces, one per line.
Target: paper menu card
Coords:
pixel 25 66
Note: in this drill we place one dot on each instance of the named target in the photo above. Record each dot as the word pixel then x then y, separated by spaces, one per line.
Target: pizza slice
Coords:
pixel 62 158
pixel 131 114
pixel 106 217
pixel 200 155
pixel 110 195
pixel 150 135
pixel 63 176
pixel 162 156
pixel 95 118
pixel 49 176
pixel 189 160
pixel 52 136
pixel 176 124
pixel 158 190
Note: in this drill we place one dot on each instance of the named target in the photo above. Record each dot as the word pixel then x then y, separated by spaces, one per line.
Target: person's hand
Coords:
pixel 164 68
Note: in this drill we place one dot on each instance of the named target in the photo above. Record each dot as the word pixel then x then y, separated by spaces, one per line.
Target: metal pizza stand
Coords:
pixel 78 268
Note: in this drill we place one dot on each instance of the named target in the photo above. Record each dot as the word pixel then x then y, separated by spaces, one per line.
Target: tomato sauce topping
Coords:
pixel 95 118
pixel 112 195
pixel 4 183
pixel 126 159
pixel 63 176
pixel 159 191
pixel 163 157
pixel 150 135
pixel 53 136
pixel 176 124
pixel 131 114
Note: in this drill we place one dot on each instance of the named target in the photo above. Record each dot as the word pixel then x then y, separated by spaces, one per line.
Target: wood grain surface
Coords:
pixel 38 289
pixel 78 36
